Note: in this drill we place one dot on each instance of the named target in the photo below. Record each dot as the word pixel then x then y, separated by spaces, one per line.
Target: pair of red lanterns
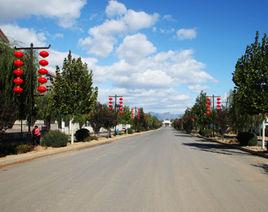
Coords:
pixel 18 63
pixel 133 113
pixel 208 104
pixel 110 103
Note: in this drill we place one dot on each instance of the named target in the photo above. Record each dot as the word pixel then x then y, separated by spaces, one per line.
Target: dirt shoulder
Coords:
pixel 39 151
pixel 255 150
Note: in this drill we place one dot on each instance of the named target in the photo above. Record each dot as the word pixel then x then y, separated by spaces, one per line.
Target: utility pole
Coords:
pixel 32 71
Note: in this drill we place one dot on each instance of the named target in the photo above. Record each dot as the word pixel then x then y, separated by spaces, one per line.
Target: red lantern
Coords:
pixel 132 113
pixel 139 113
pixel 42 80
pixel 18 54
pixel 43 62
pixel 18 72
pixel 110 98
pixel 121 98
pixel 41 88
pixel 120 108
pixel 17 89
pixel 42 71
pixel 18 81
pixel 44 54
pixel 110 108
pixel 18 63
pixel 120 103
pixel 218 103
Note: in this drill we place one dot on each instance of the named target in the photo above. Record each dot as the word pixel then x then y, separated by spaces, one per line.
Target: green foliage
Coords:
pixel 102 117
pixel 73 92
pixel 82 134
pixel 251 78
pixel 23 148
pixel 247 139
pixel 240 120
pixel 14 106
pixel 54 139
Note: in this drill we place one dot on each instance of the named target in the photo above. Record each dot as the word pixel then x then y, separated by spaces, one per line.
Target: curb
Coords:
pixel 261 154
pixel 22 158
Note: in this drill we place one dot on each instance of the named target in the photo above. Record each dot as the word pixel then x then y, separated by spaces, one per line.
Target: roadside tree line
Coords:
pixel 72 98
pixel 246 105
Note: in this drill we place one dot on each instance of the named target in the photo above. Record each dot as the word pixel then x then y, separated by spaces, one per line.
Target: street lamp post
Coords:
pixel 31 49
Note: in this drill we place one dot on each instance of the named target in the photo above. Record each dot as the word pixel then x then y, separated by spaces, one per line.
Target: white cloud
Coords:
pixel 64 11
pixel 135 47
pixel 115 8
pixel 169 18
pixel 139 20
pixel 184 34
pixel 102 38
pixel 23 36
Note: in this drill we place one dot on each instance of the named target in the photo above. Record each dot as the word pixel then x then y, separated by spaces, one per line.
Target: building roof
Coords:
pixel 3 37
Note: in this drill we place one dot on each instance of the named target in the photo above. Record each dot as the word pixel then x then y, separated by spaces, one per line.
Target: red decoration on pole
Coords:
pixel 218 103
pixel 18 72
pixel 17 89
pixel 208 112
pixel 42 71
pixel 18 81
pixel 18 54
pixel 121 99
pixel 43 62
pixel 42 80
pixel 18 63
pixel 139 113
pixel 44 54
pixel 42 88
pixel 132 113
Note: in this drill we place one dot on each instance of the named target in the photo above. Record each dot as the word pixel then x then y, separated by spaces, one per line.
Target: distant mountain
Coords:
pixel 167 115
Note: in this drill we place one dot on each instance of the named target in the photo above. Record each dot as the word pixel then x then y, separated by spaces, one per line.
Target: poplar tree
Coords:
pixel 251 78
pixel 73 91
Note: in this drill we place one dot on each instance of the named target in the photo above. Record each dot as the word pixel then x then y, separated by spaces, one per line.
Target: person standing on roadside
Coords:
pixel 36 135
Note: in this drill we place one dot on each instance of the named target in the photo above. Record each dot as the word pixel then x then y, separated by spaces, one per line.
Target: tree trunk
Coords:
pixel 71 130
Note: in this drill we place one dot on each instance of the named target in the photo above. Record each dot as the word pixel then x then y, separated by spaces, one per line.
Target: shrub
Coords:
pixel 247 139
pixel 23 148
pixel 130 131
pixel 54 139
pixel 81 134
pixel 7 149
pixel 206 132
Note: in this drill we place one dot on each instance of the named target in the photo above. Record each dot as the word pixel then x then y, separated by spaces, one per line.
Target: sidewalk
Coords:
pixel 43 152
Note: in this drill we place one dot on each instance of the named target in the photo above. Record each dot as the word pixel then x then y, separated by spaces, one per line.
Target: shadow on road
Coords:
pixel 263 166
pixel 183 135
pixel 216 148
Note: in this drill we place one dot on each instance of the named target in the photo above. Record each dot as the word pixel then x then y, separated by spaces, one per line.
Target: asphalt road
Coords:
pixel 161 171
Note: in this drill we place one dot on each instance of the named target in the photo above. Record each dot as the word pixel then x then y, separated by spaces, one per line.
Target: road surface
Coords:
pixel 161 171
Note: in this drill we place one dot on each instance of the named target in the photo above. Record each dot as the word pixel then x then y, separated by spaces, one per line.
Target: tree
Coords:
pixel 103 117
pixel 73 91
pixel 15 106
pixel 251 78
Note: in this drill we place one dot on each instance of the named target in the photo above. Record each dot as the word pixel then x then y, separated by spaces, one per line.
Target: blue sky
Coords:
pixel 158 54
